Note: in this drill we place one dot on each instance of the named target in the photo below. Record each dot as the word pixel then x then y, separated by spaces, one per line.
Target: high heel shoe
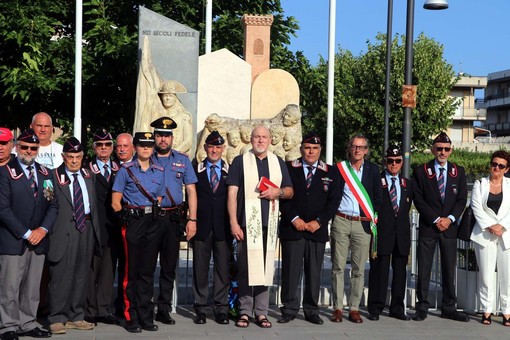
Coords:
pixel 506 321
pixel 486 320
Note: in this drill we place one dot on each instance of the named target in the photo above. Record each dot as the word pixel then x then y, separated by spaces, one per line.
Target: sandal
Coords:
pixel 263 322
pixel 506 321
pixel 243 321
pixel 486 320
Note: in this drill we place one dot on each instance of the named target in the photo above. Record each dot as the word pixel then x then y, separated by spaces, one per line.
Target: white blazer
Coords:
pixel 485 217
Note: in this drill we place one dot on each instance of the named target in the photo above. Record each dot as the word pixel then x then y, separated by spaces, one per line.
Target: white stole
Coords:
pixel 260 274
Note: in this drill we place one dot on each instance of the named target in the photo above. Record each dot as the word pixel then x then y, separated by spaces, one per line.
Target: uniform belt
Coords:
pixel 354 218
pixel 139 210
pixel 171 208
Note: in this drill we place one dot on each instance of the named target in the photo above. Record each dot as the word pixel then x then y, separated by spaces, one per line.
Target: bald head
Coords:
pixel 43 126
pixel 124 148
pixel 260 140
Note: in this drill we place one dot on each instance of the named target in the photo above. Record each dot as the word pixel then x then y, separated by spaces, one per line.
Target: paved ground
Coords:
pixel 433 327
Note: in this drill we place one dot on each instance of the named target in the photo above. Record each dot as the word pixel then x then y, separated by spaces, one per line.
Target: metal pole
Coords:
pixel 331 81
pixel 406 124
pixel 78 68
pixel 208 26
pixel 387 84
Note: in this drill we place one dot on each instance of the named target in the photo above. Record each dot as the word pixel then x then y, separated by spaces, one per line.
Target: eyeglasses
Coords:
pixel 5 143
pixel 498 165
pixel 359 147
pixel 393 160
pixel 101 144
pixel 440 149
pixel 26 147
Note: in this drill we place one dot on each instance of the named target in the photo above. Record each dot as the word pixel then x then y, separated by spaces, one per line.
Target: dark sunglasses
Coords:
pixel 497 165
pixel 26 147
pixel 439 149
pixel 393 160
pixel 107 144
pixel 4 143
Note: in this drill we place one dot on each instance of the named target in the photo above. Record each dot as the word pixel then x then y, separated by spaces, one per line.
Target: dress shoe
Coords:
pixel 355 317
pixel 222 319
pixel 373 317
pixel 133 327
pixel 165 317
pixel 457 316
pixel 91 319
pixel 200 319
pixel 315 319
pixel 419 316
pixel 109 319
pixel 80 324
pixel 57 328
pixel 337 316
pixel 12 335
pixel 36 333
pixel 402 317
pixel 286 318
pixel 149 327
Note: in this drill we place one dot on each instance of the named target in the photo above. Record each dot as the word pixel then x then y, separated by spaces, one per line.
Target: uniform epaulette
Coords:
pixel 86 173
pixel 115 166
pixel 13 174
pixel 225 167
pixel 43 170
pixel 158 167
pixel 94 168
pixel 128 164
pixel 296 163
pixel 322 166
pixel 181 153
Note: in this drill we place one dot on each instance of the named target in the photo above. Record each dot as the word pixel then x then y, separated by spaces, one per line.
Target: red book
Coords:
pixel 265 184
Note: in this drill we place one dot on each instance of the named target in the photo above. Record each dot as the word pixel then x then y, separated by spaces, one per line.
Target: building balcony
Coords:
pixel 470 113
pixel 497 101
pixel 499 129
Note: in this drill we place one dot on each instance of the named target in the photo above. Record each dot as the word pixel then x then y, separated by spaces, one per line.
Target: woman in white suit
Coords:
pixel 490 201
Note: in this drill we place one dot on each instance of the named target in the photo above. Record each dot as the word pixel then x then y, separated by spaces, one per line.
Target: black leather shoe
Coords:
pixel 149 327
pixel 109 319
pixel 36 333
pixel 91 319
pixel 419 316
pixel 286 318
pixel 373 317
pixel 9 336
pixel 315 319
pixel 457 316
pixel 165 318
pixel 402 317
pixel 200 319
pixel 222 319
pixel 133 327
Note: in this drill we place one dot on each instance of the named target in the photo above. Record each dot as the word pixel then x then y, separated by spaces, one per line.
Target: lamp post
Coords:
pixel 387 83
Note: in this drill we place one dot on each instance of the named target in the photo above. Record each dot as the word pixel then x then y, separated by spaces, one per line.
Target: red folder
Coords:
pixel 265 184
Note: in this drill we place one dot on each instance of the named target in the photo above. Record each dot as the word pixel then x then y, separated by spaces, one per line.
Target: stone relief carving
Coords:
pixel 285 130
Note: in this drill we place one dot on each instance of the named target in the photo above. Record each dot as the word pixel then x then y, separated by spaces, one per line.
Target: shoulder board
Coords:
pixel 157 166
pixel 115 166
pixel 128 164
pixel 322 166
pixel 94 168
pixel 13 174
pixel 201 167
pixel 225 167
pixel 85 173
pixel 43 170
pixel 296 163
pixel 181 153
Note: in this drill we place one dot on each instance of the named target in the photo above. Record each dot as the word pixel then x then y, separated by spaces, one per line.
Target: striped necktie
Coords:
pixel 31 179
pixel 78 206
pixel 106 173
pixel 213 178
pixel 440 183
pixel 309 176
pixel 393 195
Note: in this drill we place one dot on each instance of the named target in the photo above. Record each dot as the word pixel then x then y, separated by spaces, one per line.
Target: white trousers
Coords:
pixel 488 257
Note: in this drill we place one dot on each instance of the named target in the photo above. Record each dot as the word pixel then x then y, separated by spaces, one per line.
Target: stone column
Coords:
pixel 257 38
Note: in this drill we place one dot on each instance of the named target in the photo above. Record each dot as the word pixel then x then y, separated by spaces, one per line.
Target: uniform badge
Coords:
pixel 326 181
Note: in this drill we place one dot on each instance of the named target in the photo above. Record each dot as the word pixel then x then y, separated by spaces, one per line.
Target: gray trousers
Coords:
pixel 20 277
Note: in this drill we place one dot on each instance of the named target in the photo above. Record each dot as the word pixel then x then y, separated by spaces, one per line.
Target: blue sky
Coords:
pixel 475 33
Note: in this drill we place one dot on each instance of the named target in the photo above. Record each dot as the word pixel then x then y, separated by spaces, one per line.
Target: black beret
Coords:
pixel 164 124
pixel 28 136
pixel 393 151
pixel 143 137
pixel 311 138
pixel 102 135
pixel 72 145
pixel 442 138
pixel 215 138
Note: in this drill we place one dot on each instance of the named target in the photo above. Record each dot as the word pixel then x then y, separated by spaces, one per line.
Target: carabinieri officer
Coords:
pixel 137 191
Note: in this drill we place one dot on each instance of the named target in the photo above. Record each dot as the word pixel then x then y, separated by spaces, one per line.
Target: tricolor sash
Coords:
pixel 364 201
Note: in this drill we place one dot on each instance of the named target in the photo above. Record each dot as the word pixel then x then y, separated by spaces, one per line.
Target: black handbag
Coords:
pixel 466 225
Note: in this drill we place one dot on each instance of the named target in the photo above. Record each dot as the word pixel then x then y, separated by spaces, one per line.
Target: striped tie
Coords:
pixel 31 179
pixel 440 183
pixel 79 209
pixel 309 176
pixel 393 195
pixel 106 173
pixel 213 178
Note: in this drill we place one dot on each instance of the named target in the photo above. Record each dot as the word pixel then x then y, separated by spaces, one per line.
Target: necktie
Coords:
pixel 309 176
pixel 440 183
pixel 106 173
pixel 79 209
pixel 393 195
pixel 213 178
pixel 31 179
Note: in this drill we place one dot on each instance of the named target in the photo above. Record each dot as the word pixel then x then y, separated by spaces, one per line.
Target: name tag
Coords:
pixel 148 210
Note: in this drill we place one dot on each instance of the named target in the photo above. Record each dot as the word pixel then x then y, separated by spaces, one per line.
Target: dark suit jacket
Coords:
pixel 65 220
pixel 372 183
pixel 320 201
pixel 19 211
pixel 212 207
pixel 395 230
pixel 104 201
pixel 427 198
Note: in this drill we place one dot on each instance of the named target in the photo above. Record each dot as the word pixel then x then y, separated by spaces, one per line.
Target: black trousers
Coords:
pixel 308 255
pixel 141 243
pixel 99 297
pixel 168 247
pixel 448 250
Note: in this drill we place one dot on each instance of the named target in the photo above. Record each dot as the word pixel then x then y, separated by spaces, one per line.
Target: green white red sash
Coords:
pixel 364 201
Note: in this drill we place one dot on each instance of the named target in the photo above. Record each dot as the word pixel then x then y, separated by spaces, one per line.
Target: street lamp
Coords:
pixel 408 81
pixel 387 83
